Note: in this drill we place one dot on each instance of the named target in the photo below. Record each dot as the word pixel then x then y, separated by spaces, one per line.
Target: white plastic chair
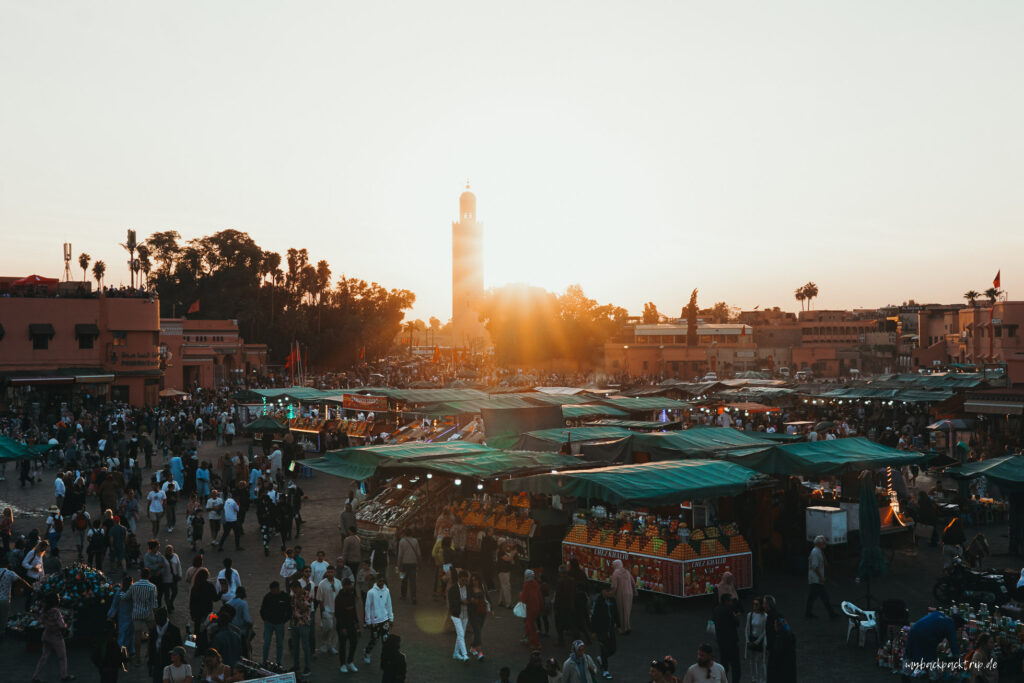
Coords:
pixel 862 620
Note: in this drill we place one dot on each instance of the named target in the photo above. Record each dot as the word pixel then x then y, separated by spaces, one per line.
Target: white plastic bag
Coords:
pixel 520 610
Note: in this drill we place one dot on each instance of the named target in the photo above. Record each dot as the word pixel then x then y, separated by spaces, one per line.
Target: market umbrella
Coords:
pixel 266 424
pixel 872 562
pixel 34 280
pixel 172 393
pixel 822 426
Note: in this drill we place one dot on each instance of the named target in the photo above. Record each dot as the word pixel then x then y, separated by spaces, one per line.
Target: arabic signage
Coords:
pixel 361 402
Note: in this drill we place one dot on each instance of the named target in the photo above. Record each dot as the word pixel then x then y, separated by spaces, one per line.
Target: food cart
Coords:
pixel 656 544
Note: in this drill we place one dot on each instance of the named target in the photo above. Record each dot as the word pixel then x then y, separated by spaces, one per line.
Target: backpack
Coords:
pixel 58 524
pixel 81 522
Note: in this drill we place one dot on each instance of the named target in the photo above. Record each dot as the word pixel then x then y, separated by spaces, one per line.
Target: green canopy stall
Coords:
pixel 823 458
pixel 489 464
pixel 14 450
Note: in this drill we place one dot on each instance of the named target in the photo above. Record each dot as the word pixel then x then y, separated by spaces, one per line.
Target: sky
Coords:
pixel 640 149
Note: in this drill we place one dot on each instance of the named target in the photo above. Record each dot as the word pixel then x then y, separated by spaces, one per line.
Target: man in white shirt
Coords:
pixel 228 581
pixel 275 463
pixel 706 670
pixel 378 615
pixel 319 567
pixel 326 591
pixel 214 507
pixel 59 489
pixel 816 578
pixel 231 523
pixel 156 499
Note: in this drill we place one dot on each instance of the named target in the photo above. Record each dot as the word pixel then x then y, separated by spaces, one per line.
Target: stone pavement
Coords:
pixel 659 628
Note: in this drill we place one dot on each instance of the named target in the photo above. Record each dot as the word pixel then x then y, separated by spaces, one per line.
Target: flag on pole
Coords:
pixel 194 308
pixel 996 282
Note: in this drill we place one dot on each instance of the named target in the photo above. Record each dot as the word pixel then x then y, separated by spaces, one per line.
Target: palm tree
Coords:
pixel 145 264
pixel 811 292
pixel 801 296
pixel 99 269
pixel 130 245
pixel 992 293
pixel 83 263
pixel 971 295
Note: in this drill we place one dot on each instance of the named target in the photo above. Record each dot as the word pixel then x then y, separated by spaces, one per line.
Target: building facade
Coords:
pixel 972 335
pixel 467 276
pixel 207 354
pixel 75 348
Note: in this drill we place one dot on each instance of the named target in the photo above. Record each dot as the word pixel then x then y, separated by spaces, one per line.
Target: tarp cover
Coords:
pixel 342 468
pixel 1006 470
pixel 552 439
pixel 266 424
pixel 591 410
pixel 653 483
pixel 494 464
pixel 694 442
pixel 14 450
pixel 645 403
pixel 503 427
pixel 640 425
pixel 823 457
pixel 376 455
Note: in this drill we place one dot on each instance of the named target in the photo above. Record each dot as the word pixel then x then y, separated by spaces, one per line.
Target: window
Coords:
pixel 85 342
pixel 120 339
pixel 40 342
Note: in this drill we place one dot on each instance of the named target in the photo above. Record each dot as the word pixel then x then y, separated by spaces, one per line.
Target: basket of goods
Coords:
pixel 732 529
pixel 79 585
pixel 697 535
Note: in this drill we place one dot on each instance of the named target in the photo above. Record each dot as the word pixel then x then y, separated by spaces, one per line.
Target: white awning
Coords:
pixel 994 407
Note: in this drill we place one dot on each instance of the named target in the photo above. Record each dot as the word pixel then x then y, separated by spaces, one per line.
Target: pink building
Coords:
pixel 207 354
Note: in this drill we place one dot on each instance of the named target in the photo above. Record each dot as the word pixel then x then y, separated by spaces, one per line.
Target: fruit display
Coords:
pixel 405 503
pixel 477 516
pixel 663 555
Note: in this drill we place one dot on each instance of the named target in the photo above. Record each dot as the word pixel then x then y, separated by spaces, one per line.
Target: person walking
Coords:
pixel 163 638
pixel 302 612
pixel 727 622
pixel 352 551
pixel 326 593
pixel 54 630
pixel 624 591
pixel 178 671
pixel 755 639
pixel 346 622
pixel 706 670
pixel 120 613
pixel 816 579
pixel 109 655
pixel 392 661
pixel 479 608
pixel 378 615
pixel 155 500
pixel 579 667
pixel 408 559
pixel 171 577
pixel 201 597
pixel 231 522
pixel 214 513
pixel 532 597
pixel 142 596
pixel 507 556
pixel 275 610
pixel 605 624
pixel 458 611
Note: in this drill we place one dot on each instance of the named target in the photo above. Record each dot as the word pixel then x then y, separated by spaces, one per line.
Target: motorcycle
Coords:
pixel 962 583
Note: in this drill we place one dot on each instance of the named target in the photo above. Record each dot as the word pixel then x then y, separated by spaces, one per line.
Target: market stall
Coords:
pixel 654 532
pixel 407 502
pixel 85 598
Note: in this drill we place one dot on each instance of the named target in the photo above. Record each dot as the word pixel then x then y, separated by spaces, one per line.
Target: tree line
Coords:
pixel 275 300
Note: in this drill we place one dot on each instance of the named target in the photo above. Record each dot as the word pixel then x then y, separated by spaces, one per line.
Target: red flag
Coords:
pixel 437 354
pixel 743 331
pixel 995 283
pixel 362 353
pixel 290 360
pixel 194 308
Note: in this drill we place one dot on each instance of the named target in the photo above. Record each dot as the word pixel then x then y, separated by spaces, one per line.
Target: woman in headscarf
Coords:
pixel 782 655
pixel 727 586
pixel 579 667
pixel 623 590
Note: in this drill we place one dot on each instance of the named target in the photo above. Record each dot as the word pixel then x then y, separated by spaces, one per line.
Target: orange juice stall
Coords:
pixel 654 532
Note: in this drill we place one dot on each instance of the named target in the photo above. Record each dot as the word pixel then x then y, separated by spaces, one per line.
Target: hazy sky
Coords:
pixel 640 149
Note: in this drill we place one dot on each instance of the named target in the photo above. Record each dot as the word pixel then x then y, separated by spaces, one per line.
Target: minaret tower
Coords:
pixel 467 275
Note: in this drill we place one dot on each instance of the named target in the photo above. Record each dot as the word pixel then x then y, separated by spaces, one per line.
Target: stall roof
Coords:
pixel 653 483
pixel 15 450
pixel 823 457
pixel 591 410
pixel 408 451
pixel 424 395
pixel 266 424
pixel 638 404
pixel 342 468
pixel 552 439
pixel 1006 470
pixel 641 425
pixel 695 442
pixel 492 464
